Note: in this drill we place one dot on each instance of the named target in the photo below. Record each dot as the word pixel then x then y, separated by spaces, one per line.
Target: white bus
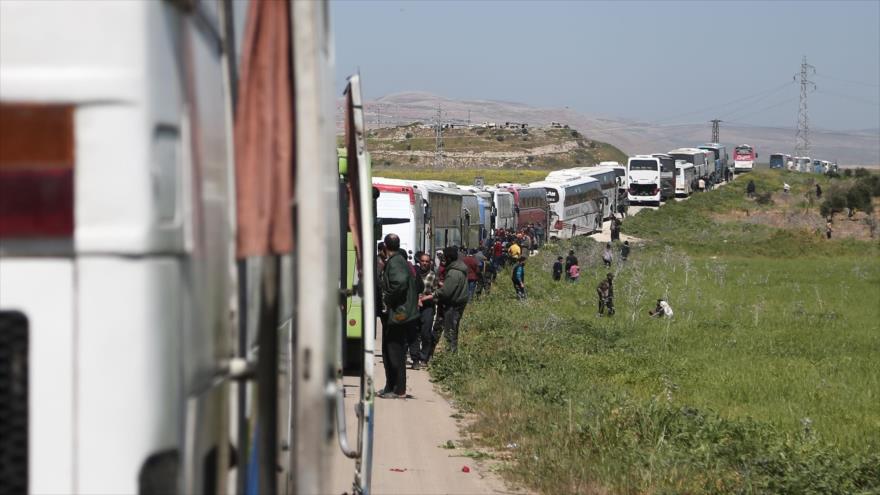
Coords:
pixel 444 225
pixel 644 179
pixel 802 163
pixel 667 175
pixel 120 222
pixel 502 199
pixel 695 157
pixel 685 176
pixel 781 161
pixel 400 209
pixel 575 206
pixel 607 178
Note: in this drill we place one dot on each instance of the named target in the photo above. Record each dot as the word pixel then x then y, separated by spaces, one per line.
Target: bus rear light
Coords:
pixel 36 171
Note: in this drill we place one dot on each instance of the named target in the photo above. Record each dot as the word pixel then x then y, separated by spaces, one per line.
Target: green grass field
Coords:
pixel 765 381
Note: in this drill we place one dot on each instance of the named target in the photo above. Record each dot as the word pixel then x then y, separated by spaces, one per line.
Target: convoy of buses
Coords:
pixel 802 164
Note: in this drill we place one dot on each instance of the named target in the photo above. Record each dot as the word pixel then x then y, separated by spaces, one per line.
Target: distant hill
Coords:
pixel 860 147
pixel 487 147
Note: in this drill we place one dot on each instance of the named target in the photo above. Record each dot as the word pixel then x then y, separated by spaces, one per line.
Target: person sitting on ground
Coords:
pixel 557 269
pixel 662 310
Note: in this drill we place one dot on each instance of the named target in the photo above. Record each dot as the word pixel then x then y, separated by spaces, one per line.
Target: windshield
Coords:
pixel 776 160
pixel 643 165
pixel 714 151
pixel 743 151
pixel 685 158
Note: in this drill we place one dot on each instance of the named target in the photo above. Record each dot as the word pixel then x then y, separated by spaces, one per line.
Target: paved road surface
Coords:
pixel 409 436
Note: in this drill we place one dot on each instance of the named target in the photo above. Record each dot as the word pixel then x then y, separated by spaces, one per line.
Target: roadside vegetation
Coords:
pixel 765 381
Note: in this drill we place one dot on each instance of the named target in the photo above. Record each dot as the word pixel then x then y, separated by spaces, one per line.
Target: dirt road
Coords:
pixel 411 435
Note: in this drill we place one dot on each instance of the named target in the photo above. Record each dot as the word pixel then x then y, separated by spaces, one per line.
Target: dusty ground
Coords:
pixel 789 212
pixel 412 440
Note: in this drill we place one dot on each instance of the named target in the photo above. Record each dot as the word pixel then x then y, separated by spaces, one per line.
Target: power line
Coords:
pixel 848 97
pixel 848 81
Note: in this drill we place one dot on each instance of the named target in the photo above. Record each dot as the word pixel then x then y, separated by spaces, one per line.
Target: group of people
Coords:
pixel 419 305
pixel 570 267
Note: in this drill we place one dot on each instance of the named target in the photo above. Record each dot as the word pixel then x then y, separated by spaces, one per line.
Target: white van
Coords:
pixel 684 177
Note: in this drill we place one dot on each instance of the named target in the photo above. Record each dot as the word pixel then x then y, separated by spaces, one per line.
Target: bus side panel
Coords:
pixel 129 387
pixel 43 290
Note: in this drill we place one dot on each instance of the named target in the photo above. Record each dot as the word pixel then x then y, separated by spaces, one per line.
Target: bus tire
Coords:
pixel 353 356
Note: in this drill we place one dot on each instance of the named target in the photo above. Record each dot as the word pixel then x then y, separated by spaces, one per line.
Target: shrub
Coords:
pixel 861 172
pixel 409 135
pixel 764 199
pixel 480 131
pixel 499 138
pixel 835 202
pixel 575 134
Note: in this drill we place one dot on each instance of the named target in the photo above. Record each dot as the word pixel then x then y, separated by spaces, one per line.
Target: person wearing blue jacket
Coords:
pixel 519 278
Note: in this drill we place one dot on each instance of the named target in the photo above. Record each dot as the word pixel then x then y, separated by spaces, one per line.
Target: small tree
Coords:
pixel 858 197
pixel 835 202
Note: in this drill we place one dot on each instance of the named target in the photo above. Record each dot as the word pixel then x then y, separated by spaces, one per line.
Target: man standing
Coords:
pixel 400 294
pixel 557 269
pixel 426 309
pixel 453 296
pixel 473 273
pixel 624 252
pixel 519 278
pixel 609 301
pixel 750 189
pixel 602 293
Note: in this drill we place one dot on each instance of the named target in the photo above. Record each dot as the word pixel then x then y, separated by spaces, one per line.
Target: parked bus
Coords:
pixel 471 226
pixel 530 206
pixel 685 177
pixel 123 208
pixel 667 175
pixel 802 163
pixel 502 200
pixel 744 157
pixel 401 211
pixel 607 178
pixel 644 179
pixel 780 160
pixel 444 221
pixel 720 158
pixel 695 157
pixel 575 206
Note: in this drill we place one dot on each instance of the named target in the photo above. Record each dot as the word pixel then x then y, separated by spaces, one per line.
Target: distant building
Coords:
pixel 515 125
pixel 557 125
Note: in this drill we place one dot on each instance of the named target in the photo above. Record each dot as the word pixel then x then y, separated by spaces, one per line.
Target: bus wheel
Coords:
pixel 353 357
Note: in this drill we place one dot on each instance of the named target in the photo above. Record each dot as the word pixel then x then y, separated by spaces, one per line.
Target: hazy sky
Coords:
pixel 669 62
